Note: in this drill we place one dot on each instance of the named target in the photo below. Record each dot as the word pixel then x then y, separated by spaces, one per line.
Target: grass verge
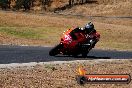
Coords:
pixel 30 29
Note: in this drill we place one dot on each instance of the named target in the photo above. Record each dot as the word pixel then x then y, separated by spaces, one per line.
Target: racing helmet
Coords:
pixel 89 26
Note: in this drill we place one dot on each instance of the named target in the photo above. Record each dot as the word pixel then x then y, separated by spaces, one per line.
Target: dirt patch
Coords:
pixel 62 75
pixel 103 8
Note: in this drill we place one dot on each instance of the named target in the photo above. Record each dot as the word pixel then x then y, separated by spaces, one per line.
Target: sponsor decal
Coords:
pixel 82 78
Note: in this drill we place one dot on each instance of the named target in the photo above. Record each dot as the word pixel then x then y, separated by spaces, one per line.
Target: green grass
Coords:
pixel 45 35
pixel 30 33
pixel 20 32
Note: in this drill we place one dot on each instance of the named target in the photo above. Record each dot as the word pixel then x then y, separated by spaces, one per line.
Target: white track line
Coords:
pixel 14 65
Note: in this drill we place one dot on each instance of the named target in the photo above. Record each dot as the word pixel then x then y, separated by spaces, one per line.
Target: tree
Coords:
pixel 82 1
pixel 71 2
pixel 46 3
pixel 26 4
pixel 4 4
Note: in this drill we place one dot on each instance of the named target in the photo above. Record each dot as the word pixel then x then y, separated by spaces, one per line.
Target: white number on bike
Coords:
pixel 67 37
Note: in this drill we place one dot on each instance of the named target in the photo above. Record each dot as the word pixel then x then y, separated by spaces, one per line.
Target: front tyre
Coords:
pixel 55 50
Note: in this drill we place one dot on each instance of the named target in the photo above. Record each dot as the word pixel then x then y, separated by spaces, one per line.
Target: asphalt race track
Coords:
pixel 26 54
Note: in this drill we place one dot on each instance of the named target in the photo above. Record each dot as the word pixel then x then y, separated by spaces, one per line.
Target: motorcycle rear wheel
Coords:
pixel 85 51
pixel 84 54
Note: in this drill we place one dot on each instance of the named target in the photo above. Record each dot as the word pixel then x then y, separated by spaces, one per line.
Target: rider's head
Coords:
pixel 89 26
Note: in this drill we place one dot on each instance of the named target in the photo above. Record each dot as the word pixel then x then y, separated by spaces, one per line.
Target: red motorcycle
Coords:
pixel 75 43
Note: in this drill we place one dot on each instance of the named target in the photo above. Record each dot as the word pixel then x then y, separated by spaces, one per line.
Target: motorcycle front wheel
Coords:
pixel 55 50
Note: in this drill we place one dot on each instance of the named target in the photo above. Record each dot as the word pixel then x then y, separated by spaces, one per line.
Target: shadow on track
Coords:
pixel 90 57
pixel 26 54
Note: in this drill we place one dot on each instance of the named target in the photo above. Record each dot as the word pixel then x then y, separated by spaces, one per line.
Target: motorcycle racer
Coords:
pixel 77 41
pixel 88 28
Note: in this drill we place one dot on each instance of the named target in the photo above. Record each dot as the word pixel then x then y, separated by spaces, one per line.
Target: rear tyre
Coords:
pixel 75 55
pixel 85 51
pixel 84 54
pixel 55 50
